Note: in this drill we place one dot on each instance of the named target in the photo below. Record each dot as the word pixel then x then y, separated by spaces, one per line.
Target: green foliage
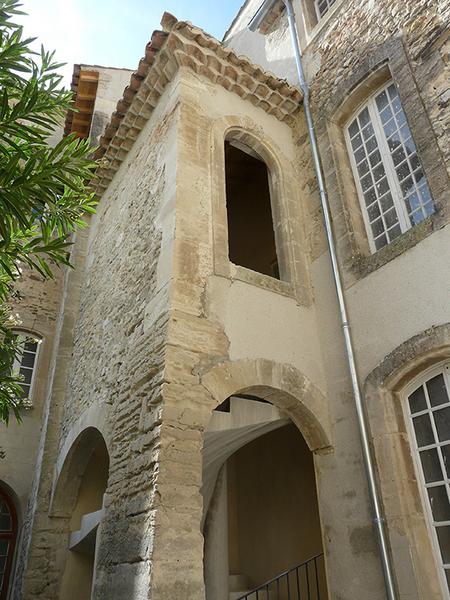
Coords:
pixel 44 191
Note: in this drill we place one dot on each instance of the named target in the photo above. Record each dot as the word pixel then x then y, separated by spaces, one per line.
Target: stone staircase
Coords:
pixel 238 586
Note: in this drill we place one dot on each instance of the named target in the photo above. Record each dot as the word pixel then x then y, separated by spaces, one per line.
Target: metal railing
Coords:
pixel 303 582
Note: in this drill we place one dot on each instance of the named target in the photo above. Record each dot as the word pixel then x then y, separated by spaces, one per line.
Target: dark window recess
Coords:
pixel 251 238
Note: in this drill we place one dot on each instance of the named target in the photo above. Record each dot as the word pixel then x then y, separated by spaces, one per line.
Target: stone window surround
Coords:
pixel 291 258
pixel 31 333
pixel 384 390
pixel 390 61
pixel 311 25
pixel 421 379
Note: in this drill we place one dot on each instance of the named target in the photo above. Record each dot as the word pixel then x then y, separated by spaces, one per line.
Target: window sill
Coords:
pixel 364 265
pixel 238 273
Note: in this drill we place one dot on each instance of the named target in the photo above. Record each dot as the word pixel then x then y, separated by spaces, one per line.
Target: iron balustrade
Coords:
pixel 303 582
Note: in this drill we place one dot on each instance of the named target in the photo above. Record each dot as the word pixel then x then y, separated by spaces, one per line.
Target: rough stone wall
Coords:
pixel 360 27
pixel 113 354
pixel 128 319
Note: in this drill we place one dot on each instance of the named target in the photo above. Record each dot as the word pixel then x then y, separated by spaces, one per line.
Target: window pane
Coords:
pixel 377 228
pixel 442 421
pixel 323 6
pixel 417 401
pixel 390 218
pixel 26 374
pixel 5 523
pixel 443 534
pixel 373 211
pixel 353 128
pixel 30 346
pixel 386 202
pixel 437 390
pixel 380 242
pixel 383 187
pixel 27 359
pixel 398 136
pixel 370 196
pixel 424 432
pixel 430 465
pixel 2 565
pixel 440 506
pixel 364 118
pixel 394 232
pixel 3 547
pixel 375 158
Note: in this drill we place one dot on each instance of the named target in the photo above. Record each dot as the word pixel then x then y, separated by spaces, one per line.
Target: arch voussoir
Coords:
pixel 282 385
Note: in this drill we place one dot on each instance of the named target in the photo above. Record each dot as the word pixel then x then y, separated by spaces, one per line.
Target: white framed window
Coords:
pixel 26 360
pixel 322 7
pixel 392 187
pixel 427 407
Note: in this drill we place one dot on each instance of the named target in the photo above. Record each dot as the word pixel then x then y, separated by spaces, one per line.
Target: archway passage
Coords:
pixel 8 537
pixel 88 463
pixel 263 520
pixel 274 521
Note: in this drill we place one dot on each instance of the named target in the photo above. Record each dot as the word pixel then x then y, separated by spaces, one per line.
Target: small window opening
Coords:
pixel 251 237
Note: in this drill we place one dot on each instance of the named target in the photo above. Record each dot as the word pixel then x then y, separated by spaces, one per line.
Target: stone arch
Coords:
pixel 94 417
pixel 281 384
pixel 404 511
pixel 407 360
pixel 253 139
pixel 74 461
pixel 302 407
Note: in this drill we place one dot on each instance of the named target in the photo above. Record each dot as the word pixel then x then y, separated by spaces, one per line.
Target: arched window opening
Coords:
pixel 392 187
pixel 428 413
pixel 26 360
pixel 251 237
pixel 8 536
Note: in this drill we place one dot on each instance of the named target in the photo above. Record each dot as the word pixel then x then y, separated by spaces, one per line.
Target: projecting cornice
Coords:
pixel 180 44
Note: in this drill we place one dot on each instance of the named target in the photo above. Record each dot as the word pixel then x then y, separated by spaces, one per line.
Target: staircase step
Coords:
pixel 236 595
pixel 262 595
pixel 238 582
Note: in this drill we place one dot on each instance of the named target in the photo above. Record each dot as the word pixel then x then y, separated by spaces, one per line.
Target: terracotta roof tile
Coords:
pixel 182 44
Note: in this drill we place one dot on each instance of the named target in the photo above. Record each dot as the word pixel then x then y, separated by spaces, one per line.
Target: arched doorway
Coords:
pixel 261 523
pixel 8 538
pixel 79 497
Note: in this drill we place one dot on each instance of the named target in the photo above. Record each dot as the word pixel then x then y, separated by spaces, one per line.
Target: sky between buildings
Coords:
pixel 114 32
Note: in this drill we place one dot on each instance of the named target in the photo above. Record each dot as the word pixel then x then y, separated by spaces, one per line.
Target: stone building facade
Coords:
pixel 198 433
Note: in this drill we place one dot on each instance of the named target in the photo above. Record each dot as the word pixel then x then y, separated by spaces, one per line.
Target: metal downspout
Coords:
pixel 378 518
